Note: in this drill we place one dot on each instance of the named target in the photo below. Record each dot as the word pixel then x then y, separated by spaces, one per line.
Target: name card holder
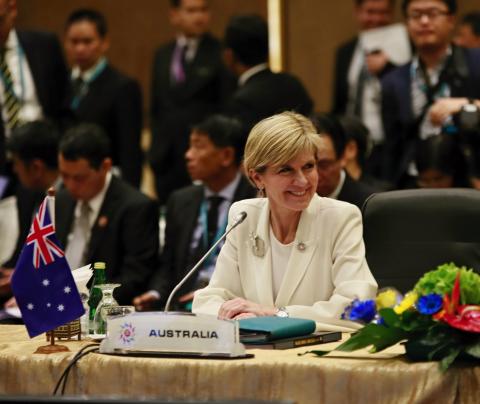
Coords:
pixel 172 334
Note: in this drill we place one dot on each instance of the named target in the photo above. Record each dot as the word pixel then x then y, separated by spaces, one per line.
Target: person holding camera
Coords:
pixel 421 98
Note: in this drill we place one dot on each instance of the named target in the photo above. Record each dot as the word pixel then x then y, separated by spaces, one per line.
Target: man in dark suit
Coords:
pixel 214 155
pixel 99 217
pixel 333 180
pixel 356 88
pixel 34 77
pixel 369 14
pixel 103 95
pixel 468 31
pixel 189 82
pixel 419 99
pixel 260 93
pixel 33 147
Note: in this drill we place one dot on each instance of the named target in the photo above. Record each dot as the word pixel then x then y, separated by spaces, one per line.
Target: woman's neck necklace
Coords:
pixel 285 227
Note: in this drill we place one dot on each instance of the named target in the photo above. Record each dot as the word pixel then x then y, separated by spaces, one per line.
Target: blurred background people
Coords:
pixel 101 94
pixel 441 163
pixel 357 152
pixel 197 215
pixel 418 99
pixel 99 217
pixel 189 82
pixel 33 147
pixel 260 93
pixel 356 85
pixel 468 31
pixel 333 180
pixel 296 254
pixel 34 77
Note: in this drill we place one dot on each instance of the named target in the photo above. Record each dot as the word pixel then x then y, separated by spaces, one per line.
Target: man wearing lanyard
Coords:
pixel 197 215
pixel 103 95
pixel 33 77
pixel 419 98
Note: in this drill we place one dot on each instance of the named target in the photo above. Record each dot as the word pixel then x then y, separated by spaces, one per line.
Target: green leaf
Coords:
pixel 447 360
pixel 379 336
pixel 387 338
pixel 390 318
pixel 318 353
pixel 474 349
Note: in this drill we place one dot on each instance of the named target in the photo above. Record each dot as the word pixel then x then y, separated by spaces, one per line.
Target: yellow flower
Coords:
pixel 408 301
pixel 386 299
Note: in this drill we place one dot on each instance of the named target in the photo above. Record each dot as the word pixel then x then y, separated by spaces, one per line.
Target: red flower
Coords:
pixel 464 317
pixel 467 318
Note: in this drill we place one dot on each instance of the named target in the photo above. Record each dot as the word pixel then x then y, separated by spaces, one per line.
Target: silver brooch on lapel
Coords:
pixel 301 246
pixel 258 245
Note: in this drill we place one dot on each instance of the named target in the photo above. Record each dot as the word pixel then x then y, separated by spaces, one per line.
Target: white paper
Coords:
pixel 81 276
pixel 392 40
pixel 13 312
pixel 9 228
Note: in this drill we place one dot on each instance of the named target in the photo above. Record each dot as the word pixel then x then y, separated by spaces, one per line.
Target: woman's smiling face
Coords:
pixel 290 186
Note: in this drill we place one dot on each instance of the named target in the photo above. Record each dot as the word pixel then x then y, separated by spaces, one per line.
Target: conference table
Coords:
pixel 359 377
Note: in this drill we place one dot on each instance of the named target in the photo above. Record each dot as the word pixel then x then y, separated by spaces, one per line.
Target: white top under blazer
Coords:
pixel 326 270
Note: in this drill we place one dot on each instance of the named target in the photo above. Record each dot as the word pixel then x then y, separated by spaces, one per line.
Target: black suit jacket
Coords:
pixel 183 209
pixel 44 56
pixel 114 102
pixel 175 108
pixel 265 94
pixel 343 60
pixel 125 236
pixel 27 203
pixel 401 131
pixel 355 192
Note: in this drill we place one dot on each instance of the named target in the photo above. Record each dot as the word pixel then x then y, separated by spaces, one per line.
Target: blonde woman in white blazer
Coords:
pixel 296 254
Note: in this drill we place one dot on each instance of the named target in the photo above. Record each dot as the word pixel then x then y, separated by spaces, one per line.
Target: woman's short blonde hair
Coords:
pixel 276 140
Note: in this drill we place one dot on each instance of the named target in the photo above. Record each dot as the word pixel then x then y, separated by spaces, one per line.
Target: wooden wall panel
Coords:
pixel 313 30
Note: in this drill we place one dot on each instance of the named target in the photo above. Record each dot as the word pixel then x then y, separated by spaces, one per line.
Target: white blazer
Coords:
pixel 326 270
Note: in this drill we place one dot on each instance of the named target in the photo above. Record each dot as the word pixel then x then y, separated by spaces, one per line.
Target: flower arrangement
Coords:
pixel 438 320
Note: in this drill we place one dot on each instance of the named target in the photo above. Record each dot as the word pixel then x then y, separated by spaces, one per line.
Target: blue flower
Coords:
pixel 429 304
pixel 363 311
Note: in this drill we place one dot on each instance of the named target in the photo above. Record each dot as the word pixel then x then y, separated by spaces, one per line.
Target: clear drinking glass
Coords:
pixel 107 302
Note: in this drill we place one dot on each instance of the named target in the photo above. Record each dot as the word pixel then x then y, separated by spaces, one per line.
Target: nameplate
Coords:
pixel 172 333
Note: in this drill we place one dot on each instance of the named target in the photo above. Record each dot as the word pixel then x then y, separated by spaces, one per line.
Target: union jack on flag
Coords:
pixel 42 282
pixel 43 248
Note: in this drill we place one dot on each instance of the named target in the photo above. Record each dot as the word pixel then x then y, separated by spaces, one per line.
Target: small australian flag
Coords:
pixel 42 282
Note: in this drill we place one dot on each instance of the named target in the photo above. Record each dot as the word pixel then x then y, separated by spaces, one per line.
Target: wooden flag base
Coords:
pixel 52 347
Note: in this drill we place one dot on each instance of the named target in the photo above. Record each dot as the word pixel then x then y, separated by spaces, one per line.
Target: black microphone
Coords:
pixel 239 219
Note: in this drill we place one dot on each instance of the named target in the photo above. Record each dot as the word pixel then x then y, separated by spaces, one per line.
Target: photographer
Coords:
pixel 419 97
pixel 463 108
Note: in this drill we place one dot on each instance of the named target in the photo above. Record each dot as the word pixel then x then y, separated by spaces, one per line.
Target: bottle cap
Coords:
pixel 99 265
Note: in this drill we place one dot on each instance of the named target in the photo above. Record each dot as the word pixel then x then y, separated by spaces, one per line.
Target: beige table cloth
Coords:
pixel 358 377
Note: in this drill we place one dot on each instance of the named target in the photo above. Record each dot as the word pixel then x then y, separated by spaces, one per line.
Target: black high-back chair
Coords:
pixel 410 232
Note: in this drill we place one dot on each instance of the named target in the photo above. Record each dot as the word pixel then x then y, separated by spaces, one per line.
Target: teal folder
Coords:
pixel 266 329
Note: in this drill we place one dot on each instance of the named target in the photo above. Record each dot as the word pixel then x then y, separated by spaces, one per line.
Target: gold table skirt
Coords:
pixel 359 377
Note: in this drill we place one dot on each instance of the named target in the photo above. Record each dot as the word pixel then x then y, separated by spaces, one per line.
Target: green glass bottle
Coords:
pixel 95 293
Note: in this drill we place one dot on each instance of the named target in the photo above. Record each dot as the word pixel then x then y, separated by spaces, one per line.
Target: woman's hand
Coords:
pixel 234 308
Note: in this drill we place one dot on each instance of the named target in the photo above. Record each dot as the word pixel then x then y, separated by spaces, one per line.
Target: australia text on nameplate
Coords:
pixel 42 282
